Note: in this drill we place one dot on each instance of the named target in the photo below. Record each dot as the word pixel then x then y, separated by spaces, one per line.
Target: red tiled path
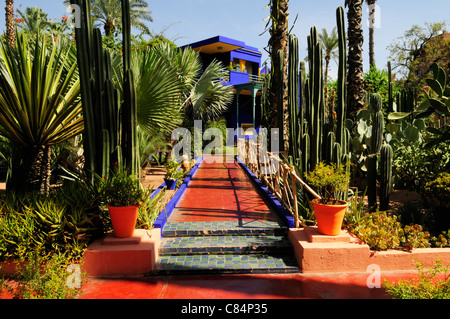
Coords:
pixel 290 286
pixel 221 191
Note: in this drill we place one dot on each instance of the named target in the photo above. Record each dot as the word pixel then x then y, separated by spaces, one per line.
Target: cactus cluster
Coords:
pixel 110 126
pixel 313 137
pixel 384 152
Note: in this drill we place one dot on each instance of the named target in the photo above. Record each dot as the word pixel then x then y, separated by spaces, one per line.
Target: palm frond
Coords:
pixel 209 97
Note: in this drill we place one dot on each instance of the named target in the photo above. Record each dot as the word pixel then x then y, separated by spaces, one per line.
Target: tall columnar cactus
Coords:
pixel 315 121
pixel 341 100
pixel 390 89
pixel 103 116
pixel 372 179
pixel 376 105
pixel 130 145
pixel 382 151
pixel 386 158
pixel 375 143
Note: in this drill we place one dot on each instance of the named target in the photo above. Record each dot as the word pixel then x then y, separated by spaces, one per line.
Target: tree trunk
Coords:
pixel 371 4
pixel 30 169
pixel 109 27
pixel 279 42
pixel 10 23
pixel 355 88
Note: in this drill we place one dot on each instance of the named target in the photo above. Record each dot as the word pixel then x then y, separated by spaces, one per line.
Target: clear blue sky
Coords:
pixel 187 21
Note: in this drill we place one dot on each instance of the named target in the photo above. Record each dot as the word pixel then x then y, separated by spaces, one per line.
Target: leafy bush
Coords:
pixel 62 222
pixel 425 286
pixel 437 192
pixel 172 170
pixel 43 278
pixel 379 231
pixel 382 232
pixel 150 210
pixel 413 236
pixel 442 240
pixel 377 81
pixel 412 213
pixel 330 180
pixel 122 189
pixel 414 165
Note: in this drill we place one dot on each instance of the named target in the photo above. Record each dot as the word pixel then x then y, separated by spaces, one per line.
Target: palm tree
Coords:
pixel 355 87
pixel 330 44
pixel 204 95
pixel 279 42
pixel 34 20
pixel 371 4
pixel 109 14
pixel 9 15
pixel 171 84
pixel 40 106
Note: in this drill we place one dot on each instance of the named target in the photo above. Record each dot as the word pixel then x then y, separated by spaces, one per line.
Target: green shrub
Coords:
pixel 355 209
pixel 437 192
pixel 44 278
pixel 150 210
pixel 442 240
pixel 379 231
pixel 382 232
pixel 331 181
pixel 415 165
pixel 413 236
pixel 122 189
pixel 62 222
pixel 425 286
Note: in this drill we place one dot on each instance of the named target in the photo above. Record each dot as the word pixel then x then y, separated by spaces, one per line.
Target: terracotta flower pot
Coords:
pixel 329 217
pixel 123 220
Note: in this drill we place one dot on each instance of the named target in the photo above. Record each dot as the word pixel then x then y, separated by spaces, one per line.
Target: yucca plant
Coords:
pixel 40 106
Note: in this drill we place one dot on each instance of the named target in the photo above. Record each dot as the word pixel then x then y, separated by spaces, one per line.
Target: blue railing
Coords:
pixel 236 78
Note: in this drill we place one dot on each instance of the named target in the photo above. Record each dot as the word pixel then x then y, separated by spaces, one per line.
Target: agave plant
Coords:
pixel 40 106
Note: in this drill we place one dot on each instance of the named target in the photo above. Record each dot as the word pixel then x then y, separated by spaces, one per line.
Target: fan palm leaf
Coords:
pixel 209 97
pixel 204 92
pixel 158 90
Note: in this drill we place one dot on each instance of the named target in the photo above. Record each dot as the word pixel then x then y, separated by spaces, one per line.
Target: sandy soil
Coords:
pixel 154 176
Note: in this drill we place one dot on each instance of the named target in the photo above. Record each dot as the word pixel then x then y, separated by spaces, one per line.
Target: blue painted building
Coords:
pixel 245 69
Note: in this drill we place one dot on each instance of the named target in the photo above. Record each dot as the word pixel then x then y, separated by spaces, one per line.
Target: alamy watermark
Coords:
pixel 374 20
pixel 374 279
pixel 74 279
pixel 75 11
pixel 193 142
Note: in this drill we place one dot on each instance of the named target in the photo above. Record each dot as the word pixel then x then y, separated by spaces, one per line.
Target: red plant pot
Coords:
pixel 123 220
pixel 329 217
